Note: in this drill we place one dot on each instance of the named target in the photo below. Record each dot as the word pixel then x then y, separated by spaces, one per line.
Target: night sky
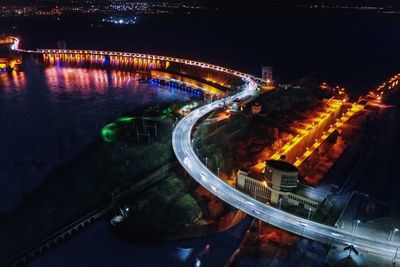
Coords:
pixel 250 4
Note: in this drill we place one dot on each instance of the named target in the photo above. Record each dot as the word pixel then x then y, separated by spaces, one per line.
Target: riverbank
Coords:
pixel 175 208
pixel 80 186
pixel 97 245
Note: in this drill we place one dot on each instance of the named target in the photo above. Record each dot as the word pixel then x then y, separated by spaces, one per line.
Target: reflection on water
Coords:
pixel 87 80
pixel 48 115
pixel 12 81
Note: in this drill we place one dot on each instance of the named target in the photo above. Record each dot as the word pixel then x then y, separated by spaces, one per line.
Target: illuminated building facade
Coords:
pixel 277 185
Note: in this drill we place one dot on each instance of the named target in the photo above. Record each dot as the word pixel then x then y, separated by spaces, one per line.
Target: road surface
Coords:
pixel 181 141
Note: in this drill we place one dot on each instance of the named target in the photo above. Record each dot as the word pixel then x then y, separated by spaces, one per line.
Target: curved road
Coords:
pixel 181 142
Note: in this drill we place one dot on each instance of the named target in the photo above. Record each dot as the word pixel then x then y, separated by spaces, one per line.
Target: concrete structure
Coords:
pixel 187 81
pixel 267 73
pixel 277 185
pixel 121 58
pixel 281 175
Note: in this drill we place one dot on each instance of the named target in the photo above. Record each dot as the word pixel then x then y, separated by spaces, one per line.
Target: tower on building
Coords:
pixel 267 74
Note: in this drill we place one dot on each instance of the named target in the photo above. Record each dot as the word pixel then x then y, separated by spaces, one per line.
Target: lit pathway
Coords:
pixel 354 108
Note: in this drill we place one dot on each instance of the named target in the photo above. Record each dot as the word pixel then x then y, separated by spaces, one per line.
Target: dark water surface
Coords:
pixel 356 50
pixel 96 246
pixel 48 115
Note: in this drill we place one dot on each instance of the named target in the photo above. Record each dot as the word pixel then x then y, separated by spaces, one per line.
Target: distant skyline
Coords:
pixel 294 3
pixel 229 3
pixel 240 7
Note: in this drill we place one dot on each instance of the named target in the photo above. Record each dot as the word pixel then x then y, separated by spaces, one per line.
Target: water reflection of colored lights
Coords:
pixel 12 80
pixel 86 80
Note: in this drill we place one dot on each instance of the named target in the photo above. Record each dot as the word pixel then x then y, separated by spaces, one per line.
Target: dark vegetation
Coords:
pixel 164 209
pixel 81 186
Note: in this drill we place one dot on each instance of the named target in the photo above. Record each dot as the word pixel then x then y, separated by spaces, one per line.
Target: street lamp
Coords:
pixel 309 213
pixel 218 172
pixel 303 225
pixel 355 228
pixel 393 233
pixel 206 162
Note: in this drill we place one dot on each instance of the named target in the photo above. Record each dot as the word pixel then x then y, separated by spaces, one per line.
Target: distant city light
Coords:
pixel 120 21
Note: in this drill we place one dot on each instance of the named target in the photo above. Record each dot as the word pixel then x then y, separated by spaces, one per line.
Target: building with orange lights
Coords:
pixel 8 58
pixel 276 185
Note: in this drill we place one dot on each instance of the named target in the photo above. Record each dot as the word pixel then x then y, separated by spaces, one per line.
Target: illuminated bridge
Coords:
pixel 125 58
pixel 184 151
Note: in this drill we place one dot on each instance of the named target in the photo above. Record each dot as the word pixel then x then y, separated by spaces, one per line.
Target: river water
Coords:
pixel 49 114
pixel 97 246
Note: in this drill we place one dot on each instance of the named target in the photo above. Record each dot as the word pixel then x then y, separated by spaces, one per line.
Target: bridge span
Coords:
pixel 151 61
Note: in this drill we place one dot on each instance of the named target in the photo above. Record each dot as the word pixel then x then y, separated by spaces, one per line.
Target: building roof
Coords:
pixel 281 165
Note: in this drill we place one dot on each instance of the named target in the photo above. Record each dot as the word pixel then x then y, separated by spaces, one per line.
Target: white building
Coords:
pixel 278 183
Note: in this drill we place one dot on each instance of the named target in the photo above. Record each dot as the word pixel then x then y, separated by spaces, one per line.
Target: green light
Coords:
pixel 167 111
pixel 126 119
pixel 109 132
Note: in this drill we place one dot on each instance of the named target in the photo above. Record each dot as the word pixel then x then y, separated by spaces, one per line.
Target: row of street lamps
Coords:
pixel 392 232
